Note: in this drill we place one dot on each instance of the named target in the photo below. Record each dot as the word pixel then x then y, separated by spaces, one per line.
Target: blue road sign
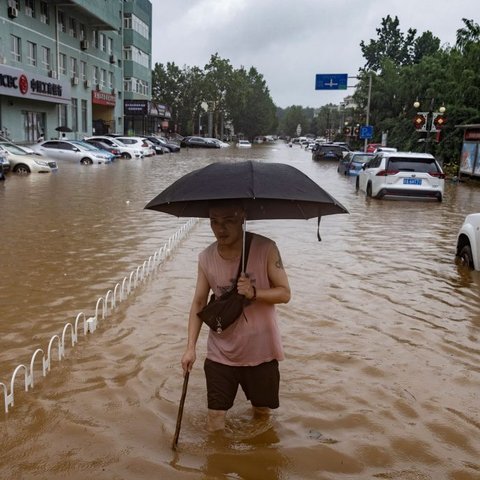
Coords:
pixel 366 131
pixel 331 81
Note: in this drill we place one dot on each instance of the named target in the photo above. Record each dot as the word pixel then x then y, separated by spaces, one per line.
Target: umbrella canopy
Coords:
pixel 267 191
pixel 63 128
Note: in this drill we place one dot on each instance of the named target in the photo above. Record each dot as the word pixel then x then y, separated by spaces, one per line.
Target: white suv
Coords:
pixel 127 151
pixel 468 242
pixel 402 174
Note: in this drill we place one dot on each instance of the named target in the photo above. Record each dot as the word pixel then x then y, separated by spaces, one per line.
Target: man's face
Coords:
pixel 226 224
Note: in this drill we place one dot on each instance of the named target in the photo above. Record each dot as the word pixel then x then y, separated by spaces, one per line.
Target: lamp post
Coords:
pixel 429 122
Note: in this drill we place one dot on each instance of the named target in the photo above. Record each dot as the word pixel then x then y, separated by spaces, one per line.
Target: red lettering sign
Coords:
pixel 102 98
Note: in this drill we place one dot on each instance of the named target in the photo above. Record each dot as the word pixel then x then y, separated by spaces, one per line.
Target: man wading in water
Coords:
pixel 248 352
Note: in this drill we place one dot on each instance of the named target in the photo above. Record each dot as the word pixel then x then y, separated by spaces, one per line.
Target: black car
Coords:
pixel 328 151
pixel 198 142
pixel 162 142
pixel 4 167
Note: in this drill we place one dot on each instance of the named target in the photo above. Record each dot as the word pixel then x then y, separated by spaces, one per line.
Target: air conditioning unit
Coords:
pixel 84 45
pixel 114 91
pixel 87 83
pixel 113 59
pixel 74 80
pixel 28 11
pixel 12 12
pixel 98 87
pixel 43 18
pixel 52 74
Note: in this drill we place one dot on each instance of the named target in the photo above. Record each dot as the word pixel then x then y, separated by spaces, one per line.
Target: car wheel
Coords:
pixel 466 257
pixel 21 169
pixel 440 197
pixel 369 190
pixel 357 184
pixel 126 155
pixel 86 161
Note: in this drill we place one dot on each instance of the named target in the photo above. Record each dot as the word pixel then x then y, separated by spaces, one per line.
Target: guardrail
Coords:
pixel 103 307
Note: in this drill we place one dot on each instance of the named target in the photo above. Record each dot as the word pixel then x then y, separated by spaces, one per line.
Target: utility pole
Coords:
pixel 367 120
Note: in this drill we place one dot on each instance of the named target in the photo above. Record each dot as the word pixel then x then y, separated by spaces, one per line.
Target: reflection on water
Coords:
pixel 381 378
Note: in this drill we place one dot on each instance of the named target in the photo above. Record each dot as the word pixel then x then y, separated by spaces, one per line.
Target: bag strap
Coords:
pixel 248 241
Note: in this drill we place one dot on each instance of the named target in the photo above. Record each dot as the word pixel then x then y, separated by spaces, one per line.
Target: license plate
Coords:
pixel 412 181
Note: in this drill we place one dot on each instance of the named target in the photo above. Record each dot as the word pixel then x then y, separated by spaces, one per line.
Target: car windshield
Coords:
pixel 425 165
pixel 12 148
pixel 361 158
pixel 84 145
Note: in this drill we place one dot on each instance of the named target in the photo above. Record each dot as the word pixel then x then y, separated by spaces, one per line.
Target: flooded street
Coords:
pixel 382 370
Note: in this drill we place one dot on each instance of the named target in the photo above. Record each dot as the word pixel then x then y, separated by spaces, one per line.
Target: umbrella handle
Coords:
pixel 180 411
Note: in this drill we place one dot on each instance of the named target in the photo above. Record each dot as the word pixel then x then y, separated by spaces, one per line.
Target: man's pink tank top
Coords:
pixel 256 338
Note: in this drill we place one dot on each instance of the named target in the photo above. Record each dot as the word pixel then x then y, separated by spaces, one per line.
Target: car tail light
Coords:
pixel 437 174
pixel 116 152
pixel 384 173
pixel 144 144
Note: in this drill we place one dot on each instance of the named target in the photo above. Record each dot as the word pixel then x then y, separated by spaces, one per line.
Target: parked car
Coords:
pixel 371 147
pixel 72 151
pixel 219 142
pixel 157 148
pixel 243 144
pixel 170 146
pixel 329 151
pixel 402 174
pixel 103 146
pixel 198 142
pixel 23 162
pixel 468 242
pixel 352 162
pixel 138 143
pixel 127 151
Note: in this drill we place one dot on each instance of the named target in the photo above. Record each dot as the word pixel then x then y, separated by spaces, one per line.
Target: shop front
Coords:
pixel 470 157
pixel 31 105
pixel 103 112
pixel 143 117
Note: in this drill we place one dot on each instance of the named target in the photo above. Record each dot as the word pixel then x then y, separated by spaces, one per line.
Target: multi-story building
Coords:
pixel 73 63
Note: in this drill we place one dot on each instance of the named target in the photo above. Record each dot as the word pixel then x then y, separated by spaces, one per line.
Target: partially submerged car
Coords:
pixel 468 242
pixel 23 162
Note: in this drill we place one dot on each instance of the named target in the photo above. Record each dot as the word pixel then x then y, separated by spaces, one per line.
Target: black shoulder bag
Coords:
pixel 221 312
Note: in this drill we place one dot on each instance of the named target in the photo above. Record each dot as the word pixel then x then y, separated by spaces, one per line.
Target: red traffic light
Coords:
pixel 419 121
pixel 347 131
pixel 439 121
pixel 356 131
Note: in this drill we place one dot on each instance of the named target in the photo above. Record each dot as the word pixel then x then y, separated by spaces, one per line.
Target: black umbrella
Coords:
pixel 63 128
pixel 267 191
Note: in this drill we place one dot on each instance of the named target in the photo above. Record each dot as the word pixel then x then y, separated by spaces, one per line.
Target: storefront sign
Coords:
pixel 102 98
pixel 472 134
pixel 135 107
pixel 15 82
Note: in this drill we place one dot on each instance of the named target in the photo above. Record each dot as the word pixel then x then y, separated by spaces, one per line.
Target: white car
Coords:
pixel 468 242
pixel 73 151
pixel 244 144
pixel 402 174
pixel 127 151
pixel 139 143
pixel 22 162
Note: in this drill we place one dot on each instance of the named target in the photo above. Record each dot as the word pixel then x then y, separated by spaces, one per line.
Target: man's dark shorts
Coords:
pixel 259 383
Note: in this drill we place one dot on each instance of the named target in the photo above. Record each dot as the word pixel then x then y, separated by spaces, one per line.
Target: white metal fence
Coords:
pixel 103 307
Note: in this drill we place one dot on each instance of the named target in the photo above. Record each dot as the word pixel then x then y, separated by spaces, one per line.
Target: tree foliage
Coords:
pixel 235 97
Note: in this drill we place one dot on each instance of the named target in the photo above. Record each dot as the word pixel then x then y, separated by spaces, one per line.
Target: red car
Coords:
pixel 371 147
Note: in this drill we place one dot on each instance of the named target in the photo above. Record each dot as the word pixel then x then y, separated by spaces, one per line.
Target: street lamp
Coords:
pixel 429 122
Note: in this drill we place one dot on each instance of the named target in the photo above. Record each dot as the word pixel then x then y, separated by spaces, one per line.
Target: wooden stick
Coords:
pixel 180 411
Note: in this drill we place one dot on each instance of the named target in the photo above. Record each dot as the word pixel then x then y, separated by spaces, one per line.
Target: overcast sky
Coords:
pixel 289 41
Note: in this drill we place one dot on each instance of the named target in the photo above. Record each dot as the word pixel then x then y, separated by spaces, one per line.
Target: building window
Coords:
pixel 83 70
pixel 83 32
pixel 132 22
pixel 103 44
pixel 103 79
pixel 44 13
pixel 137 55
pixel 30 8
pixel 127 84
pixel 84 115
pixel 95 75
pixel 75 114
pixel 62 66
pixel 62 115
pixel 46 58
pixel 110 79
pixel 95 38
pixel 16 48
pixel 72 27
pixel 73 67
pixel 61 21
pixel 109 45
pixel 32 54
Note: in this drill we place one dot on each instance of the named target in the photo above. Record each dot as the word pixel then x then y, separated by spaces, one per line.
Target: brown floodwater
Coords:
pixel 382 370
